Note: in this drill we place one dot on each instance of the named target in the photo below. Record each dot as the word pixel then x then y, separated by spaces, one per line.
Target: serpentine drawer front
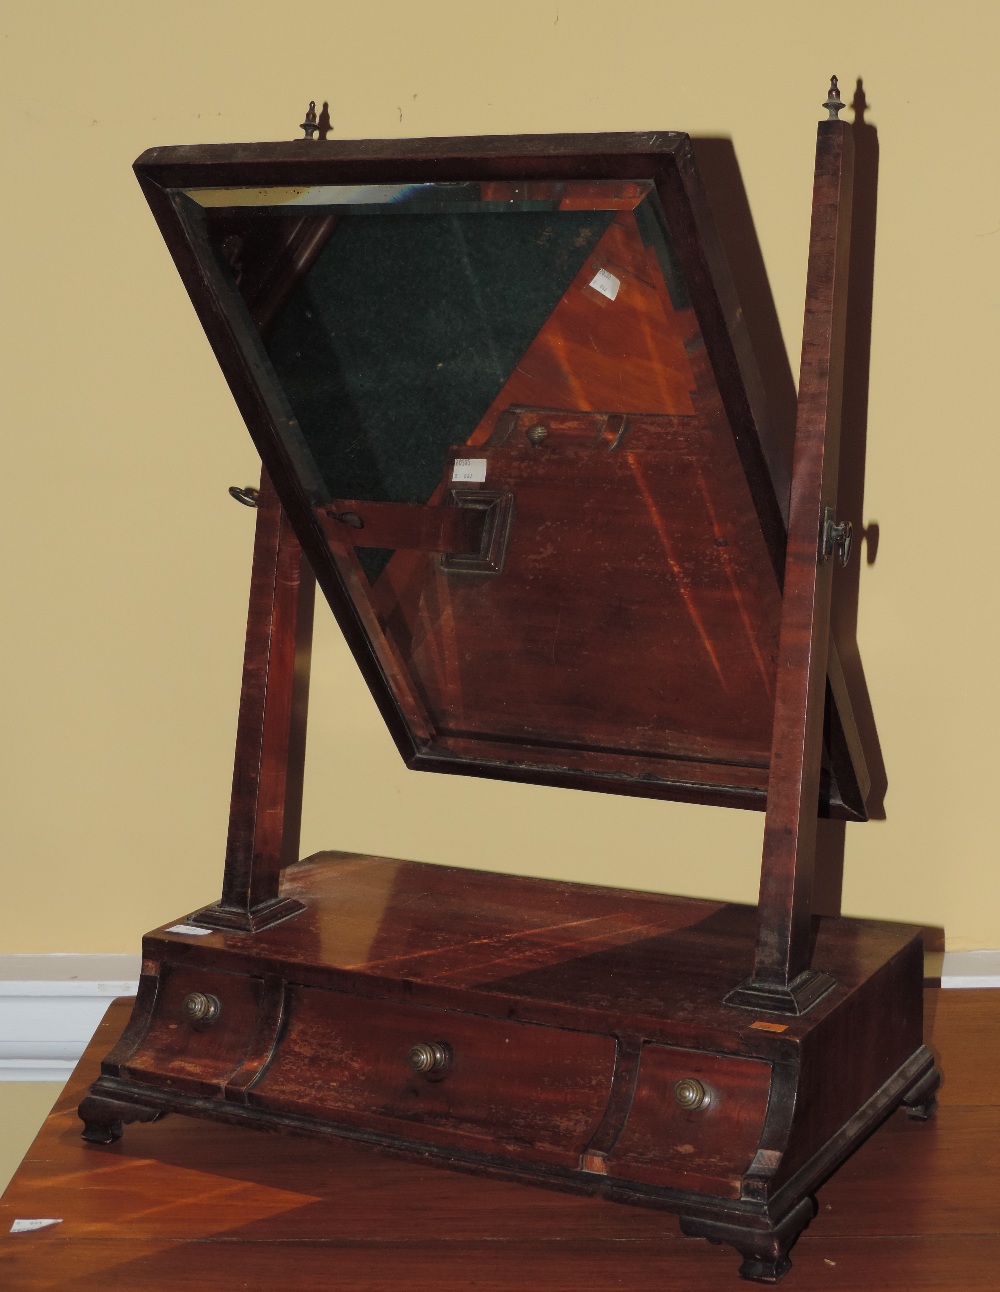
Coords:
pixel 201 1027
pixel 458 1080
pixel 449 1078
pixel 695 1121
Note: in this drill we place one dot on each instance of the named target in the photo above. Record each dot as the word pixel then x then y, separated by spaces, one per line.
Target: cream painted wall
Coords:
pixel 126 566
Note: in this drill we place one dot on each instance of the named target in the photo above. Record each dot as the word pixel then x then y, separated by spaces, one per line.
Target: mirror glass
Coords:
pixel 503 413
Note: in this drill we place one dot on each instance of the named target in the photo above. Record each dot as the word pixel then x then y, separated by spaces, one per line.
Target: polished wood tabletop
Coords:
pixel 182 1204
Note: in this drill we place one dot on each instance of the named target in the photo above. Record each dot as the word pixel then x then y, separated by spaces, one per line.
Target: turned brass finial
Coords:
pixel 834 102
pixel 310 125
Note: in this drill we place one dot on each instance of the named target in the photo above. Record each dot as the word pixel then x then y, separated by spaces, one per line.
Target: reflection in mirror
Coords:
pixel 507 421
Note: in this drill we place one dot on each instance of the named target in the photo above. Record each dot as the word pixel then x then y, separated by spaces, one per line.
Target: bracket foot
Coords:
pixel 104 1119
pixel 764 1249
pixel 920 1100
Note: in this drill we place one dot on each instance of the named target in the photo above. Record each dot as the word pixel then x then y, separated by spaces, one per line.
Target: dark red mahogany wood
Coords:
pixel 587 1039
pixel 567 1016
pixel 782 978
pixel 270 734
pixel 187 1203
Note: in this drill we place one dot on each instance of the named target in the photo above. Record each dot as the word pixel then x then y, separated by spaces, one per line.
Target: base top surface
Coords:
pixel 535 949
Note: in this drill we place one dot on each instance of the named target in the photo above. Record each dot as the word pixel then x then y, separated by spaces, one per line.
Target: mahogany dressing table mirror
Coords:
pixel 510 421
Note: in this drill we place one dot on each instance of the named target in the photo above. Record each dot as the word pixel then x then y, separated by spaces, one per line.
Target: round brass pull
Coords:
pixel 691 1094
pixel 428 1056
pixel 200 1007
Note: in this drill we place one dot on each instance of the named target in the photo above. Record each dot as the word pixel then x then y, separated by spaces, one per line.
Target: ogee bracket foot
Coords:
pixel 764 1248
pixel 920 1100
pixel 104 1119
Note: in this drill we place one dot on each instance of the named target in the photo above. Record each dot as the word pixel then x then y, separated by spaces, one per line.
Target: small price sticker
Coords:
pixel 469 470
pixel 606 283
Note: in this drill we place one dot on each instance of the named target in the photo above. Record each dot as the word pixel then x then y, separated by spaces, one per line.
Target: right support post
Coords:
pixel 782 979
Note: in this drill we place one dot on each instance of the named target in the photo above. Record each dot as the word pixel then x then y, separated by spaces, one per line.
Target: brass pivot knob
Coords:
pixel 428 1056
pixel 835 537
pixel 200 1007
pixel 691 1094
pixel 536 435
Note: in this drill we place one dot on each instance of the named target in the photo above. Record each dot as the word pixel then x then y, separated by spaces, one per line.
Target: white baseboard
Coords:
pixel 970 969
pixel 51 1004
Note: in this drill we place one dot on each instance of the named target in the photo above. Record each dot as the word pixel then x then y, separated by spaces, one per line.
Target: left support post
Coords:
pixel 265 810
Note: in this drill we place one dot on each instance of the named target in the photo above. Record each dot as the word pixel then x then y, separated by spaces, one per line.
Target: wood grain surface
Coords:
pixel 194 1205
pixel 797 738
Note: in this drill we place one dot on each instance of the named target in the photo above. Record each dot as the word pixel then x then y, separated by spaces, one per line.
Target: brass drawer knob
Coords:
pixel 429 1056
pixel 200 1007
pixel 691 1094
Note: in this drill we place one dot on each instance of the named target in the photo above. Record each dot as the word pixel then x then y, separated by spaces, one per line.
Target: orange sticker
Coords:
pixel 770 1027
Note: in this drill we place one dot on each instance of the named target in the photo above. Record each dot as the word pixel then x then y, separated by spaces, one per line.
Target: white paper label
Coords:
pixel 23 1226
pixel 469 470
pixel 606 283
pixel 188 928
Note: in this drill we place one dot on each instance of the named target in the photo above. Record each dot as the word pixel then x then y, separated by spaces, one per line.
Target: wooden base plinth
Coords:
pixel 801 994
pixel 558 1034
pixel 246 920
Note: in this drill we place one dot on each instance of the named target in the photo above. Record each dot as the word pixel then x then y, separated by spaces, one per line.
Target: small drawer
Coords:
pixel 488 1085
pixel 196 1054
pixel 695 1121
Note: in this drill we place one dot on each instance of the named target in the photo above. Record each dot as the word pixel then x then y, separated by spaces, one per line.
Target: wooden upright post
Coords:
pixel 782 979
pixel 270 738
